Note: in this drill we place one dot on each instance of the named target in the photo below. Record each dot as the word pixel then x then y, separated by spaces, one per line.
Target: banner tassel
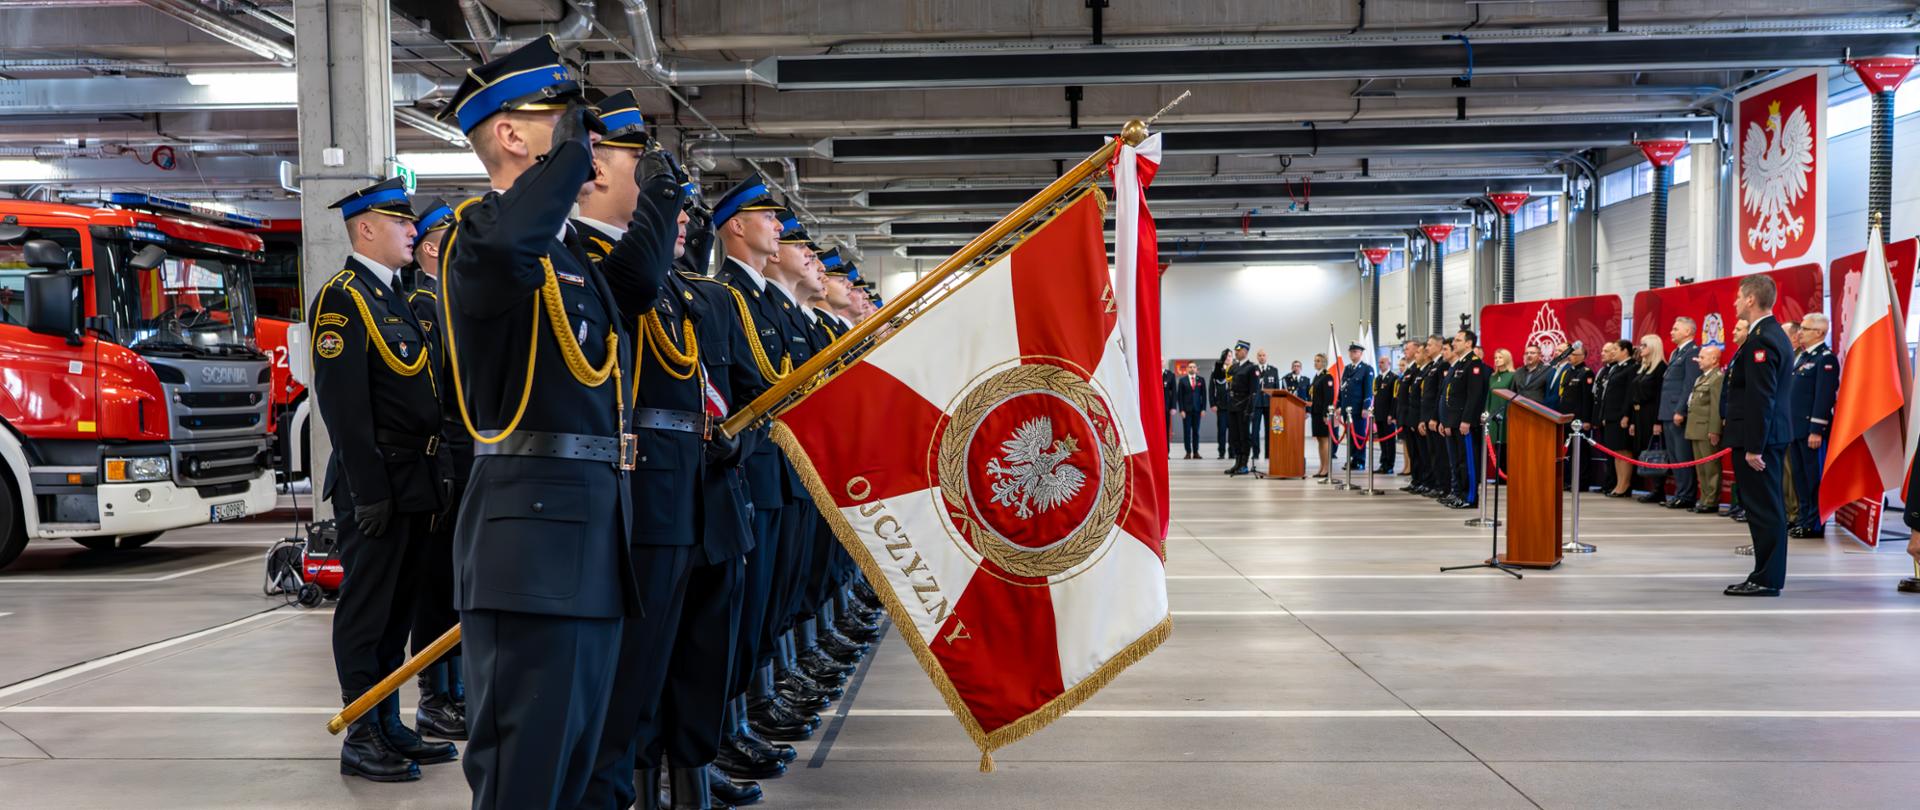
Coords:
pixel 986 763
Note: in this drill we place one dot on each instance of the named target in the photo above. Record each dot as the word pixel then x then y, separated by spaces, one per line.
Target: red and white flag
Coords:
pixel 1868 437
pixel 1336 364
pixel 1002 493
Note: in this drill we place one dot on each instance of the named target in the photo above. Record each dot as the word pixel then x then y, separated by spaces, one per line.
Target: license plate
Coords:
pixel 229 511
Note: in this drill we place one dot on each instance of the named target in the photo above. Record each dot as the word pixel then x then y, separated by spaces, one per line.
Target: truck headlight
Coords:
pixel 140 468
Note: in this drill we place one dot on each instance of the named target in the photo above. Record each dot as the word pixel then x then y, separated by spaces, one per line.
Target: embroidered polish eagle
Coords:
pixel 1034 474
pixel 1775 174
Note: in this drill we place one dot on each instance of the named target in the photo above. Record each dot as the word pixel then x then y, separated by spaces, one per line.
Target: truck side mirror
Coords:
pixel 148 258
pixel 45 254
pixel 53 303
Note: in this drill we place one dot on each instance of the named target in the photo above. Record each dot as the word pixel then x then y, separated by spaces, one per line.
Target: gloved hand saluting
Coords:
pixel 574 124
pixel 372 518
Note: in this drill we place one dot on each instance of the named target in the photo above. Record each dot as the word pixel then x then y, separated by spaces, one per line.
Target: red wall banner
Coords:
pixel 1710 305
pixel 1550 324
pixel 1780 178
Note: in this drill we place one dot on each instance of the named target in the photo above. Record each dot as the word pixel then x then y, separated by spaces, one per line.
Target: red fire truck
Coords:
pixel 133 394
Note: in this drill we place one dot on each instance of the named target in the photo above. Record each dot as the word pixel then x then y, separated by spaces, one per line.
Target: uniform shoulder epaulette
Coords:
pixel 462 207
pixel 341 279
pixel 697 277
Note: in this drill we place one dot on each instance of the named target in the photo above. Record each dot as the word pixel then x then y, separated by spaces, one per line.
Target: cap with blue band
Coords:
pixel 386 197
pixel 430 213
pixel 625 125
pixel 532 77
pixel 750 194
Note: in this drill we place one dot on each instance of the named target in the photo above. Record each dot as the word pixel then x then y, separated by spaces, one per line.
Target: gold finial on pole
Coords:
pixel 1134 132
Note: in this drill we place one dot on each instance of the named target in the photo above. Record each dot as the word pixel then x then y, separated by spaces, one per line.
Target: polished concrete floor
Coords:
pixel 1319 659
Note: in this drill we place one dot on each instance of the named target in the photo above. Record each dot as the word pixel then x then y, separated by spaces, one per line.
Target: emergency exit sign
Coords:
pixel 407 176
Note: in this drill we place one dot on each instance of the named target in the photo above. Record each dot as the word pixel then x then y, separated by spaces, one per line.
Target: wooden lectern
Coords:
pixel 1286 434
pixel 1535 434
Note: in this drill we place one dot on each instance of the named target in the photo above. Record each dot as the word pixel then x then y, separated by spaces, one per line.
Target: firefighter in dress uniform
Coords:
pixel 442 709
pixel 544 577
pixel 374 385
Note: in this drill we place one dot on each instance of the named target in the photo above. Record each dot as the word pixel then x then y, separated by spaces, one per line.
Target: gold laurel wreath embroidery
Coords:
pixel 953 470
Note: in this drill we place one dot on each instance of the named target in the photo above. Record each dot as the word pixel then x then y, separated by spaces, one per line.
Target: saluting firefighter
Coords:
pixel 442 709
pixel 374 385
pixel 543 570
pixel 747 219
pixel 670 690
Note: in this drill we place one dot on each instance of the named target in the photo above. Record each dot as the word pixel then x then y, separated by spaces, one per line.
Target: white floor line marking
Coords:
pixel 1596 612
pixel 1151 714
pixel 30 580
pixel 128 655
pixel 1543 575
pixel 4 615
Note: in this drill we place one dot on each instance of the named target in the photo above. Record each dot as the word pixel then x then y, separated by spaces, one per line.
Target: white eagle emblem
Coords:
pixel 1546 333
pixel 1774 175
pixel 1035 474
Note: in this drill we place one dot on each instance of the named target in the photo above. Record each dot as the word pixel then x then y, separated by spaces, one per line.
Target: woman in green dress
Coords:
pixel 1497 407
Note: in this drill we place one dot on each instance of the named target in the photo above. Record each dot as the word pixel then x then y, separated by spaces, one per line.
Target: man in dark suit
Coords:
pixel 1217 395
pixel 1758 428
pixel 1438 483
pixel 1190 398
pixel 1407 415
pixel 1675 388
pixel 541 619
pixel 1386 390
pixel 1268 378
pixel 1300 384
pixel 1166 398
pixel 1533 376
pixel 384 478
pixel 1816 381
pixel 1241 378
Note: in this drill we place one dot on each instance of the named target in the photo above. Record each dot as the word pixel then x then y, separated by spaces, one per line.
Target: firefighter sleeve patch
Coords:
pixel 329 344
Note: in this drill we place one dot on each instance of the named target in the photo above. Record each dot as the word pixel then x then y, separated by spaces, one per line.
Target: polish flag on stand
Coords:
pixel 1336 366
pixel 1868 440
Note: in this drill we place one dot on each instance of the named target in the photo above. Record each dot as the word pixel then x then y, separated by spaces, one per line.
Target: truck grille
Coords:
pixel 218 421
pixel 217 465
pixel 218 399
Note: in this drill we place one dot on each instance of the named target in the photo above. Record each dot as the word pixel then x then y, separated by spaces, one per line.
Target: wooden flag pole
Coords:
pixel 764 405
pixel 391 683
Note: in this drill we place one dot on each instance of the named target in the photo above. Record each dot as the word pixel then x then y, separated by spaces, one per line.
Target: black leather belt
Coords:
pixel 571 446
pixel 663 419
pixel 424 445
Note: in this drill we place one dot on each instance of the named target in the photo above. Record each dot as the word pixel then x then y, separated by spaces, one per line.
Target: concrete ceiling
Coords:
pixel 1407 107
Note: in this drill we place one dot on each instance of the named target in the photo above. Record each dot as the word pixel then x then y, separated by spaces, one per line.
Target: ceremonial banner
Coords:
pixel 1551 325
pixel 1861 518
pixel 1710 305
pixel 1843 278
pixel 987 466
pixel 1780 179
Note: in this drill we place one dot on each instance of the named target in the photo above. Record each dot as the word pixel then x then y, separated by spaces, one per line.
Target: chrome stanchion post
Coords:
pixel 1573 544
pixel 1371 430
pixel 1480 501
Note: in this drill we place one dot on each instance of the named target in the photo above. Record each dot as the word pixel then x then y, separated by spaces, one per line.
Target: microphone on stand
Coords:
pixel 1565 352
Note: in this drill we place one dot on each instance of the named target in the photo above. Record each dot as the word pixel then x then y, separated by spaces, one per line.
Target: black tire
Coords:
pixel 137 540
pixel 13 526
pixel 97 543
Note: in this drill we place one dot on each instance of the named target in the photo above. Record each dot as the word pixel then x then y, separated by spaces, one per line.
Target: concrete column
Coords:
pixel 345 75
pixel 1705 229
pixel 1583 261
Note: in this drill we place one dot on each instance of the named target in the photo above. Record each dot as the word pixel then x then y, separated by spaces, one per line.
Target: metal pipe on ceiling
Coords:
pixel 427 123
pixel 687 72
pixel 704 151
pixel 576 26
pixel 482 26
pixel 228 30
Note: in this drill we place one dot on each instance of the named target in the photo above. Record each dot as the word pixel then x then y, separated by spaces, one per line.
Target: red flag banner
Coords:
pixel 1551 325
pixel 1843 278
pixel 1780 177
pixel 1001 494
pixel 1710 305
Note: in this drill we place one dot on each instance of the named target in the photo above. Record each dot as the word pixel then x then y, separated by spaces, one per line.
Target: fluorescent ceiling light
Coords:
pixel 28 170
pixel 215 78
pixel 442 164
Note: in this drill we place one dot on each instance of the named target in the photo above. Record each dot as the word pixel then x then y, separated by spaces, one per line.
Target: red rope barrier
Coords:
pixel 1493 458
pixel 1677 465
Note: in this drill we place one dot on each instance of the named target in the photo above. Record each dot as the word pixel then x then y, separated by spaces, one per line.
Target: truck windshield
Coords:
pixel 192 303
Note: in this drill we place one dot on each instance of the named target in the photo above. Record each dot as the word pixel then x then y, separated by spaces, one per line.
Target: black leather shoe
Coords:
pixel 437 716
pixel 1230 471
pixel 778 731
pixel 778 712
pixel 817 664
pixel 366 754
pixel 804 684
pixel 736 760
pixel 409 744
pixel 1650 498
pixel 842 652
pixel 692 790
pixel 859 633
pixel 779 752
pixel 1750 589
pixel 1739 516
pixel 1464 505
pixel 1705 508
pixel 1680 503
pixel 727 791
